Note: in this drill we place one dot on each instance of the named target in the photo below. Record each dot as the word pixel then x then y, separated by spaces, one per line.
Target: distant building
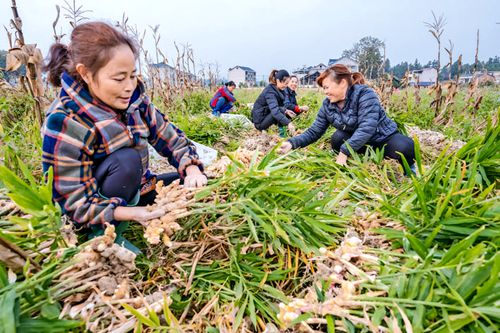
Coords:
pixel 172 75
pixel 307 75
pixel 482 77
pixel 348 62
pixel 242 75
pixel 496 74
pixel 485 77
pixel 424 77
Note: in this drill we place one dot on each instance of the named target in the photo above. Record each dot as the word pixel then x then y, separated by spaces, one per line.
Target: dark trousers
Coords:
pixel 120 174
pixel 267 122
pixel 392 145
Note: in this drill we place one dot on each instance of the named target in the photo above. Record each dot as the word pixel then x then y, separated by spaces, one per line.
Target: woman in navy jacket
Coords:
pixel 355 111
pixel 269 108
pixel 290 94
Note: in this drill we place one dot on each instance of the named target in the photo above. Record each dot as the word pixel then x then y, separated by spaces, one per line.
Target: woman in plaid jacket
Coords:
pixel 97 131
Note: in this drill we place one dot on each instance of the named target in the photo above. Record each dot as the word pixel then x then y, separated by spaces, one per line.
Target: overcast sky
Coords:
pixel 266 34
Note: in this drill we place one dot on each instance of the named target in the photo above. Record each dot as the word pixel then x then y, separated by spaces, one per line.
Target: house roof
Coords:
pixel 246 69
pixel 162 65
pixel 333 61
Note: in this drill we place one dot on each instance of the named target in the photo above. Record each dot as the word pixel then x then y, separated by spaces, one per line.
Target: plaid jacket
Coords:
pixel 80 131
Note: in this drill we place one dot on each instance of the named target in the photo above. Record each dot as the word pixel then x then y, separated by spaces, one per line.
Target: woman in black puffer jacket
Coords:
pixel 269 108
pixel 355 111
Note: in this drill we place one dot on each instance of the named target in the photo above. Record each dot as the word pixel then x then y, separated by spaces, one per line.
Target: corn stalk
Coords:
pixel 29 56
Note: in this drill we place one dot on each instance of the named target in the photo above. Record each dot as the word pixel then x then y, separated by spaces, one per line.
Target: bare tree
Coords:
pixel 75 14
pixel 156 38
pixel 477 51
pixel 459 68
pixel 449 50
pixel 436 28
pixel 57 37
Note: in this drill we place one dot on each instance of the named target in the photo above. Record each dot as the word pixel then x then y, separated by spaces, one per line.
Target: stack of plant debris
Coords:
pixel 261 141
pixel 101 287
pixel 242 159
pixel 337 280
pixel 433 142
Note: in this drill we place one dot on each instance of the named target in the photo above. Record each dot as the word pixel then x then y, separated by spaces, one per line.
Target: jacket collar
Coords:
pixel 275 88
pixel 76 97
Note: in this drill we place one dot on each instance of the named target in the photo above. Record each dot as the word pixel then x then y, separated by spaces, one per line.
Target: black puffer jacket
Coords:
pixel 271 100
pixel 363 116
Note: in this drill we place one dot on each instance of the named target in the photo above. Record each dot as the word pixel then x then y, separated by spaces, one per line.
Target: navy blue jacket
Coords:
pixel 291 100
pixel 271 100
pixel 363 116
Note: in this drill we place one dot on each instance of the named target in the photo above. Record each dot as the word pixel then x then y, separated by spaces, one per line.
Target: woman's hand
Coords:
pixel 139 214
pixel 290 113
pixel 342 159
pixel 285 147
pixel 291 129
pixel 194 177
pixel 304 108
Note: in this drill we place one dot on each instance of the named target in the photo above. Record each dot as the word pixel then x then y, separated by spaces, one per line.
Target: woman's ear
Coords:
pixel 83 71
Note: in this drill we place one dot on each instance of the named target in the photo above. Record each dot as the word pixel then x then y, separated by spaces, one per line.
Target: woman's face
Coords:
pixel 293 84
pixel 334 91
pixel 231 88
pixel 114 83
pixel 282 84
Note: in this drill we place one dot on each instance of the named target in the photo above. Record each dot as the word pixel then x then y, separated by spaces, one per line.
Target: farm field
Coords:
pixel 273 243
pixel 256 239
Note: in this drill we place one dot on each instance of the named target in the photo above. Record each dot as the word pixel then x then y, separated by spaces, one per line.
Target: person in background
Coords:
pixel 355 111
pixel 97 131
pixel 290 94
pixel 269 108
pixel 223 99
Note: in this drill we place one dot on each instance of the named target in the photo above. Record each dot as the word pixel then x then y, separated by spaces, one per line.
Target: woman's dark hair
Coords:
pixel 230 84
pixel 91 44
pixel 281 75
pixel 340 72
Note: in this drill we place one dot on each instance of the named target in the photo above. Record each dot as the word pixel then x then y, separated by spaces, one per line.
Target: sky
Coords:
pixel 281 33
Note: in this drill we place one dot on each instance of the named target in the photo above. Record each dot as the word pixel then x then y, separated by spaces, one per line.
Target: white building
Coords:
pixel 424 77
pixel 242 75
pixel 348 62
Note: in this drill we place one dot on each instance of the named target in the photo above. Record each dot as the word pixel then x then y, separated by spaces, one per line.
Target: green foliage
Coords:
pixel 20 138
pixel 31 303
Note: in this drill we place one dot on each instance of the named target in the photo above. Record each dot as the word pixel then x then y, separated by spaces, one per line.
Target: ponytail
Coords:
pixel 278 75
pixel 357 78
pixel 340 72
pixel 58 61
pixel 272 76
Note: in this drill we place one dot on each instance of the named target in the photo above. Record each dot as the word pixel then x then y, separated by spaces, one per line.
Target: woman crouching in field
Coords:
pixel 97 131
pixel 223 99
pixel 355 111
pixel 269 108
pixel 290 93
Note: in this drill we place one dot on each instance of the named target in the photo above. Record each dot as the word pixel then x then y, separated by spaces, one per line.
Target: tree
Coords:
pixel 367 52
